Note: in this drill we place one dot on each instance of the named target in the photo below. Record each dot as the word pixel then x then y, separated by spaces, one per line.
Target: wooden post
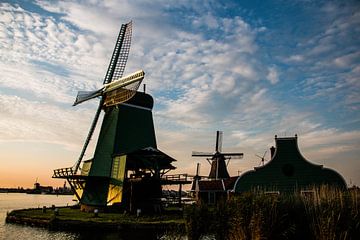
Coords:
pixel 131 193
pixel 180 188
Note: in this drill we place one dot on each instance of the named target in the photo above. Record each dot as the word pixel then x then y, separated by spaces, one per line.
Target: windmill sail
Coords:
pixel 83 96
pixel 218 146
pixel 115 92
pixel 121 94
pixel 201 154
pixel 123 89
pixel 115 70
pixel 120 55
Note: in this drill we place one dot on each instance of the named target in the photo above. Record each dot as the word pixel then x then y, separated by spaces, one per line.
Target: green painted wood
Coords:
pixel 126 128
pixel 135 126
pixel 102 161
pixel 288 171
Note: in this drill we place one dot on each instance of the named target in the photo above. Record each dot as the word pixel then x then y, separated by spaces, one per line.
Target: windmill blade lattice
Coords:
pixel 219 135
pixel 115 71
pixel 201 154
pixel 115 94
pixel 233 155
pixel 120 55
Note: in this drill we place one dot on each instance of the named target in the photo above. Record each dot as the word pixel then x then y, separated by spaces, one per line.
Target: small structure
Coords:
pixel 38 189
pixel 210 191
pixel 287 172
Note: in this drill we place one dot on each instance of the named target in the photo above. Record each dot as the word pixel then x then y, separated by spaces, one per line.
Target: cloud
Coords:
pixel 272 75
pixel 322 65
pixel 46 49
pixel 206 70
pixel 23 120
pixel 295 58
pixel 348 60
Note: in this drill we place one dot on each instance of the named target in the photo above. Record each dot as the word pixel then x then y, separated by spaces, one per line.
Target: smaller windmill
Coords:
pixel 262 161
pixel 218 160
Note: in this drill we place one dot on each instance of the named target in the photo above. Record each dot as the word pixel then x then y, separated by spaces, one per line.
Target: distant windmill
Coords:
pixel 262 161
pixel 217 159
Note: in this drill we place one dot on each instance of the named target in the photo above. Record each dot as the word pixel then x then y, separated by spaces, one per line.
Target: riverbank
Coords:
pixel 70 219
pixel 323 213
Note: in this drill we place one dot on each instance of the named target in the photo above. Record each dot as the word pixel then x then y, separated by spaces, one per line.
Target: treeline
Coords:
pixel 325 213
pixel 13 190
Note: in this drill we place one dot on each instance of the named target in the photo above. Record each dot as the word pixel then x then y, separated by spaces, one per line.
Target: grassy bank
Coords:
pixel 325 213
pixel 75 220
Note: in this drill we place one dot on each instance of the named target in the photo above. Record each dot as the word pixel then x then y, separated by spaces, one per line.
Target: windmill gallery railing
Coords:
pixel 176 179
pixel 64 172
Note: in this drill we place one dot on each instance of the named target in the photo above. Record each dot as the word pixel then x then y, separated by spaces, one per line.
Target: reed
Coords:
pixel 258 216
pixel 198 221
pixel 324 213
pixel 332 213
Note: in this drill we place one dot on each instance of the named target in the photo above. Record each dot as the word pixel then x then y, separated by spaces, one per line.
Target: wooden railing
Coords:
pixel 63 172
pixel 177 178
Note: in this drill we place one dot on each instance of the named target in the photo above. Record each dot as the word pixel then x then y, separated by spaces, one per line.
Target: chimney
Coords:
pixel 272 151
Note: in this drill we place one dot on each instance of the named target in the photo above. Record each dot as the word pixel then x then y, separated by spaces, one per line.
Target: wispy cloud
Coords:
pixel 209 65
pixel 24 120
pixel 273 75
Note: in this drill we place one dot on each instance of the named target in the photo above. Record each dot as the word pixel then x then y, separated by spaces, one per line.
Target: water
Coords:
pixel 11 201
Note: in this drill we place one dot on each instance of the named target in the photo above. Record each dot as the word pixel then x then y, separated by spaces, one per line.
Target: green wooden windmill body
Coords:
pixel 126 154
pixel 126 128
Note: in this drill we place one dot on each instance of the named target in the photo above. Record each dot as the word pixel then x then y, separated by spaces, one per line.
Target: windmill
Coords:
pixel 262 161
pixel 126 166
pixel 114 91
pixel 115 71
pixel 217 160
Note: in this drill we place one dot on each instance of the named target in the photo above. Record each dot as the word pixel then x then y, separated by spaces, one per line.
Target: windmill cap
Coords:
pixel 142 100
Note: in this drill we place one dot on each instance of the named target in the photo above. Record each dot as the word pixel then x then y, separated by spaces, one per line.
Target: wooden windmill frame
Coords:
pixel 126 169
pixel 116 89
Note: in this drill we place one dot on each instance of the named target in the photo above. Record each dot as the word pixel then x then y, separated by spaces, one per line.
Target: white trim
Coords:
pixel 223 184
pixel 135 106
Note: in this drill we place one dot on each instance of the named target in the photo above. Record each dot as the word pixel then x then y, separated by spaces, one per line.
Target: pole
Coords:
pixel 180 189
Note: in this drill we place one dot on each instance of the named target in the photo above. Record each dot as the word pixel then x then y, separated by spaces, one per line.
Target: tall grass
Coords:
pixel 327 213
pixel 198 221
pixel 333 214
pixel 259 216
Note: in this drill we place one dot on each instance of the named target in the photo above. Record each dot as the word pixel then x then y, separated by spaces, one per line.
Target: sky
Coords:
pixel 253 69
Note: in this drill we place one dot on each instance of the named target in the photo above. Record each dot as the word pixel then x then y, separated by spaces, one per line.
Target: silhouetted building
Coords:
pixel 287 171
pixel 212 191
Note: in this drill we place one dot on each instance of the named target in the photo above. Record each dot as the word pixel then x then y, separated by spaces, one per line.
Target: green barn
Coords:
pixel 287 171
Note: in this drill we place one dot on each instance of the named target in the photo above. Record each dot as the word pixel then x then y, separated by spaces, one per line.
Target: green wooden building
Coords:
pixel 287 171
pixel 127 168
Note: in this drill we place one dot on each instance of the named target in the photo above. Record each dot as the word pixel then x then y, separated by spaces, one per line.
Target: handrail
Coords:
pixel 63 172
pixel 176 177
